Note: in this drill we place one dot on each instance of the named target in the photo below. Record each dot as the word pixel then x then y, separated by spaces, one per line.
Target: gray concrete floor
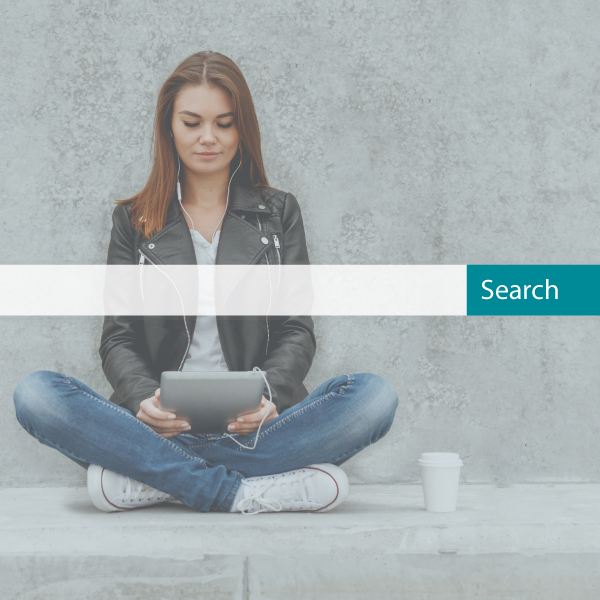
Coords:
pixel 519 541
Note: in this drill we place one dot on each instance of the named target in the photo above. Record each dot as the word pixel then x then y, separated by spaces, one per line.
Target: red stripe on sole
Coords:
pixel 336 486
pixel 102 488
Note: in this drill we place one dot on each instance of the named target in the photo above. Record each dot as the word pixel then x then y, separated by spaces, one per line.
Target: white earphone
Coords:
pixel 266 412
pixel 226 203
pixel 191 220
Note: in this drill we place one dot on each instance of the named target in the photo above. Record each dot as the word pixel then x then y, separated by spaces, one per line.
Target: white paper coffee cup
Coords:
pixel 440 472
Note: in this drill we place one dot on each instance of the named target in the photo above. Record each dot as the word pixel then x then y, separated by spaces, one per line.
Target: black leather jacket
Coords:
pixel 136 350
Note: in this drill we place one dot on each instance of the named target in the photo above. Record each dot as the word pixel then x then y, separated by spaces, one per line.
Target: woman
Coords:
pixel 208 182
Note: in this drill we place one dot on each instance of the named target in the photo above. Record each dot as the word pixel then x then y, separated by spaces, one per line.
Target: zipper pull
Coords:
pixel 277 247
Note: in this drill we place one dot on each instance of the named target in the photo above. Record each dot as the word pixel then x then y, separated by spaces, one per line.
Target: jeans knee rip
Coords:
pixel 346 385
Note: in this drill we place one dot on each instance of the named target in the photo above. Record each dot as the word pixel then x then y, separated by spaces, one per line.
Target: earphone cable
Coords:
pixel 264 416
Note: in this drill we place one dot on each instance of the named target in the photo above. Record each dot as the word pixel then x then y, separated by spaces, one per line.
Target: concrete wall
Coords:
pixel 411 132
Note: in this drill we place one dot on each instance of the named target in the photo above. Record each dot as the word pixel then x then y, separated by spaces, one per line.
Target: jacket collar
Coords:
pixel 240 242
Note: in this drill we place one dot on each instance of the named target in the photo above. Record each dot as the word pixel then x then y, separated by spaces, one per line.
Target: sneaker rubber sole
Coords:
pixel 340 479
pixel 95 491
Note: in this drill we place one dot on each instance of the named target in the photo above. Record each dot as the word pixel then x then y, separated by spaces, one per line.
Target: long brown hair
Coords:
pixel 149 208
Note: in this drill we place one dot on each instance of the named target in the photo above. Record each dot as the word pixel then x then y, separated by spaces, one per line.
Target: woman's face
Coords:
pixel 206 136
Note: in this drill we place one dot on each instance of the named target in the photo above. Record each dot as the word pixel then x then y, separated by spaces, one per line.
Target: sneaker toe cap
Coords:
pixel 328 487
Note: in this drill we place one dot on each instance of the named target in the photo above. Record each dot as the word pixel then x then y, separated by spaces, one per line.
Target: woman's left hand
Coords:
pixel 249 422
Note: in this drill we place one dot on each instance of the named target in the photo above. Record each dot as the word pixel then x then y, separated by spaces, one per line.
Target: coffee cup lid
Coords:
pixel 440 459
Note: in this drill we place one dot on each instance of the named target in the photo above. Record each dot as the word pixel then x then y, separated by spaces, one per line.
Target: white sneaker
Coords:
pixel 110 491
pixel 316 488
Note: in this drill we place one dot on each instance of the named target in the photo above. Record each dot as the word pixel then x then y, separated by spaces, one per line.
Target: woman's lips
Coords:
pixel 207 156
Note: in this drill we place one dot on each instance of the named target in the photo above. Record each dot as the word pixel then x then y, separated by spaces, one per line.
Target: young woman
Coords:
pixel 208 201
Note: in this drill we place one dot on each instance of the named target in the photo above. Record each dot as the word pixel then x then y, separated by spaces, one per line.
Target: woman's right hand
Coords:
pixel 163 422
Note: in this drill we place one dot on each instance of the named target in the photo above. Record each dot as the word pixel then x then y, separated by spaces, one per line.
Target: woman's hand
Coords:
pixel 163 422
pixel 249 422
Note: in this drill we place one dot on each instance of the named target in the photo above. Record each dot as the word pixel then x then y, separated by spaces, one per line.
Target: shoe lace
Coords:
pixel 137 491
pixel 285 491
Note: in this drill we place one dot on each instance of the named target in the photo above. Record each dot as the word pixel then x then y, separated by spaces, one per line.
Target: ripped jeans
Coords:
pixel 339 418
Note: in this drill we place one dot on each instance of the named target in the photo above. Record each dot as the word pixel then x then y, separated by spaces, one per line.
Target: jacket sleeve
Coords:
pixel 122 345
pixel 292 343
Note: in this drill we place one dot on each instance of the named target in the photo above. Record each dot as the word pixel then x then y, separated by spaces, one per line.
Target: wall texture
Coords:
pixel 411 132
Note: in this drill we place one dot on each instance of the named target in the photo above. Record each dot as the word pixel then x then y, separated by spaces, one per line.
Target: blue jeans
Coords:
pixel 338 419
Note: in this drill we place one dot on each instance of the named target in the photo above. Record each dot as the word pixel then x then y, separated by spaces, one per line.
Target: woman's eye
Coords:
pixel 196 124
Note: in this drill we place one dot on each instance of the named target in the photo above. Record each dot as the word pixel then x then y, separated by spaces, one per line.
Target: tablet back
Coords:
pixel 209 400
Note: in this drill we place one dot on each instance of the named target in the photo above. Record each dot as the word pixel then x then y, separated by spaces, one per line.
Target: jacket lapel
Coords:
pixel 173 244
pixel 240 241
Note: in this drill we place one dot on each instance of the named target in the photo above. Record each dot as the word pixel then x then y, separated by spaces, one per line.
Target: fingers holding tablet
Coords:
pixel 249 422
pixel 163 422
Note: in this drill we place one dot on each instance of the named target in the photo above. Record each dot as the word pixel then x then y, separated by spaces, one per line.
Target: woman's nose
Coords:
pixel 206 133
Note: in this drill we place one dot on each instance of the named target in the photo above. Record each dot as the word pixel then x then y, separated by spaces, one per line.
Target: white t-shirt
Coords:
pixel 205 353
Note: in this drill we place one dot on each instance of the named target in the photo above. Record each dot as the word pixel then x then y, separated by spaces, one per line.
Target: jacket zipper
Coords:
pixel 275 241
pixel 277 246
pixel 267 259
pixel 143 258
pixel 141 265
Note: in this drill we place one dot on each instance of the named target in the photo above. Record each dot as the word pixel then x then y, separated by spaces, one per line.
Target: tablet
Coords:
pixel 210 400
